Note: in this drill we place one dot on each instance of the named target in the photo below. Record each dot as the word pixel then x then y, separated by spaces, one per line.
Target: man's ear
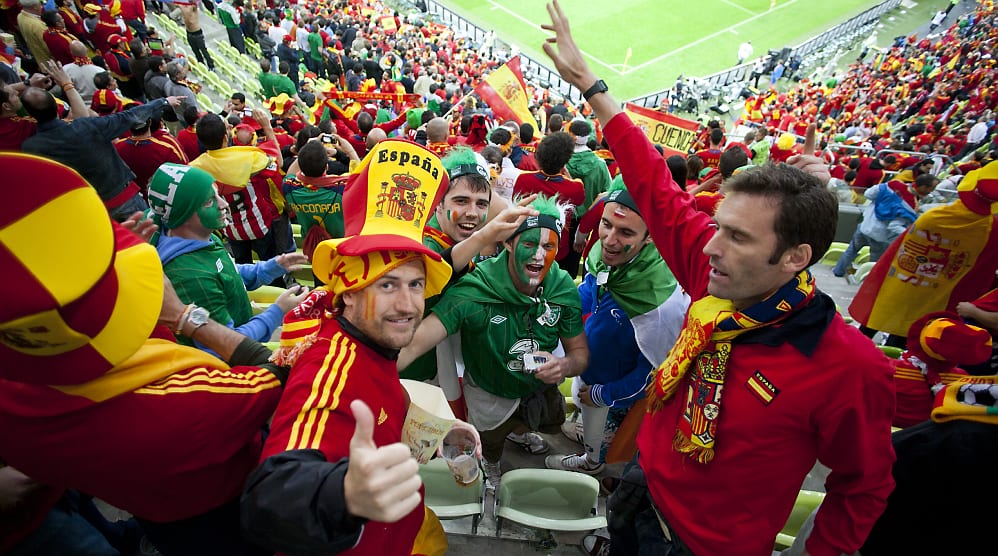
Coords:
pixel 797 258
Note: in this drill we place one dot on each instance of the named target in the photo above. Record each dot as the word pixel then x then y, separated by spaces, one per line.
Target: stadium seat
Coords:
pixel 565 387
pixel 304 275
pixel 447 498
pixel 835 251
pixel 807 502
pixel 205 103
pixel 263 297
pixel 862 271
pixel 862 256
pixel 548 499
pixel 891 351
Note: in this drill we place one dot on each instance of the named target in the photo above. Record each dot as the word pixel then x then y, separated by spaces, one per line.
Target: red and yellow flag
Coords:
pixel 675 135
pixel 505 93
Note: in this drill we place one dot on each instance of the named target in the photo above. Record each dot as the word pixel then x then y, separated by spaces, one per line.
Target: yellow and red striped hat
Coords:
pixel 80 293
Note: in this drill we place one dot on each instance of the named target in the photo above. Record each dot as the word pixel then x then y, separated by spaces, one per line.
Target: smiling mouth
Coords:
pixel 468 226
pixel 534 268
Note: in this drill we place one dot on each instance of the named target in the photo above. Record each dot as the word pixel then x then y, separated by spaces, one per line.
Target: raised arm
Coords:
pixel 430 333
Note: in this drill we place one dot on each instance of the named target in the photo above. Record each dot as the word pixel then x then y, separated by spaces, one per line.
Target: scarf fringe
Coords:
pixel 287 356
pixel 682 444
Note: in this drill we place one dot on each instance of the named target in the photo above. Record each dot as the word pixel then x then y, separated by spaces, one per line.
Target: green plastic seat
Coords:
pixel 565 387
pixel 891 351
pixel 807 502
pixel 834 252
pixel 450 500
pixel 862 271
pixel 862 257
pixel 548 499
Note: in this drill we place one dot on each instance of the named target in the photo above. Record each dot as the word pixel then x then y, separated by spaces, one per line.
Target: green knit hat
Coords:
pixel 176 191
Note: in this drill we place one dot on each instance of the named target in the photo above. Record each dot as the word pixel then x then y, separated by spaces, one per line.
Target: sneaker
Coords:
pixel 530 441
pixel 492 475
pixel 574 462
pixel 573 430
pixel 596 545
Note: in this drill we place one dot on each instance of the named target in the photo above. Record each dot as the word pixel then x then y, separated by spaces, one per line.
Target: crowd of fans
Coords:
pixel 241 198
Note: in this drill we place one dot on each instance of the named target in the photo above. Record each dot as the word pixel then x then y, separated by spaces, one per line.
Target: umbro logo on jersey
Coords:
pixel 498 319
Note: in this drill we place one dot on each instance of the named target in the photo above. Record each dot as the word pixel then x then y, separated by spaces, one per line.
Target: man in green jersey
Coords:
pixel 512 311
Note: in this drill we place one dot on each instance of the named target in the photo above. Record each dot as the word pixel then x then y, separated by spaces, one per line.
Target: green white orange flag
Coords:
pixel 505 93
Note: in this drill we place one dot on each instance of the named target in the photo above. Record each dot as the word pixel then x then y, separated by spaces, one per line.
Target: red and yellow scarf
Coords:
pixel 706 340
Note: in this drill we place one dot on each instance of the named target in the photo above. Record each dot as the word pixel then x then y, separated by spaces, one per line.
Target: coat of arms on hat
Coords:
pixel 403 199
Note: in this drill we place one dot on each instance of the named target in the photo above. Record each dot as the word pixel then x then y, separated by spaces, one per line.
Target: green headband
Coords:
pixel 539 221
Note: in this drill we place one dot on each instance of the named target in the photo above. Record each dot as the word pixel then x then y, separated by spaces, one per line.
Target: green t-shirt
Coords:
pixel 315 46
pixel 274 84
pixel 498 324
pixel 208 278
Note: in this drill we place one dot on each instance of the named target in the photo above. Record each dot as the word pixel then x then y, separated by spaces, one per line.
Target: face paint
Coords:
pixel 535 247
pixel 212 213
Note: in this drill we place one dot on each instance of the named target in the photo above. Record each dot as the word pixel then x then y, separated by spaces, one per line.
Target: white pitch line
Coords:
pixel 538 27
pixel 738 6
pixel 699 41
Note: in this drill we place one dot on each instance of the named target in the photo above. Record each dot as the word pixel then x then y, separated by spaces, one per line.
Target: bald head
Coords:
pixel 437 130
pixel 374 137
pixel 77 49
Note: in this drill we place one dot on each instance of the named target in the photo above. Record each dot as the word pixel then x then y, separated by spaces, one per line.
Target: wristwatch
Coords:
pixel 199 317
pixel 597 88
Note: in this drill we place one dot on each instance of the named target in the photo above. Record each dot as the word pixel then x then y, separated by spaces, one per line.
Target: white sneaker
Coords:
pixel 574 462
pixel 492 475
pixel 530 441
pixel 573 430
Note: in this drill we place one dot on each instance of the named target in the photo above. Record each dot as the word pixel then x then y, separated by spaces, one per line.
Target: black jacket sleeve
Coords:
pixel 294 503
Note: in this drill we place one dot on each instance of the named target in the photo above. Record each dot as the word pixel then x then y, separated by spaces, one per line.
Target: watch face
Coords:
pixel 199 316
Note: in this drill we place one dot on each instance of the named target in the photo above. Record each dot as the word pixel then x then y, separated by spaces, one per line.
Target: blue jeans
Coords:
pixel 859 240
pixel 74 527
pixel 133 205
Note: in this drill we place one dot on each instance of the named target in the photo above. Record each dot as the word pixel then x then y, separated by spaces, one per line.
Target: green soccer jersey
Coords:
pixel 316 204
pixel 498 324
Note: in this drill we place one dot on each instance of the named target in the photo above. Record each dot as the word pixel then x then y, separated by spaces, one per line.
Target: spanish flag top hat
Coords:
pixel 75 308
pixel 386 203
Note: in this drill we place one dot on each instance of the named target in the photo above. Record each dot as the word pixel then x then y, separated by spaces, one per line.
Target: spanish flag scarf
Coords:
pixel 711 326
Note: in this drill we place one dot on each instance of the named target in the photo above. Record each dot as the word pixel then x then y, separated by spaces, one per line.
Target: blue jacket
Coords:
pixel 617 372
pixel 261 327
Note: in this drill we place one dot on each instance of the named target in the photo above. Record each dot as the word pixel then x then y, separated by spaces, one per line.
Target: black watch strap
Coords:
pixel 597 88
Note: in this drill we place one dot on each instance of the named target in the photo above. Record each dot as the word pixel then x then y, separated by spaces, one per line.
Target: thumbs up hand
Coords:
pixel 381 484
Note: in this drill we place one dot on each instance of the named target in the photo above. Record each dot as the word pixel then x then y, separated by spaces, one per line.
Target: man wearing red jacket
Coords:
pixel 96 395
pixel 766 377
pixel 308 495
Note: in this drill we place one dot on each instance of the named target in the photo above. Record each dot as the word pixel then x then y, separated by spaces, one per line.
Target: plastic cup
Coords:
pixel 458 450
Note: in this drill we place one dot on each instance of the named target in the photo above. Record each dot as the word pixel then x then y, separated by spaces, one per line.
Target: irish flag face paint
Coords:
pixel 532 256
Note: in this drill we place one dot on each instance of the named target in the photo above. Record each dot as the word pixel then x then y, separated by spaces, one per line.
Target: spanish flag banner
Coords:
pixel 505 93
pixel 674 134
pixel 388 25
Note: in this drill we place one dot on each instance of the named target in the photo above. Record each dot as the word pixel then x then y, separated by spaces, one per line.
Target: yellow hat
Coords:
pixel 979 190
pixel 280 104
pixel 72 309
pixel 385 205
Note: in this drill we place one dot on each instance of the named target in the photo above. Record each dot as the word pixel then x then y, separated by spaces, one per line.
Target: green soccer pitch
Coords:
pixel 641 46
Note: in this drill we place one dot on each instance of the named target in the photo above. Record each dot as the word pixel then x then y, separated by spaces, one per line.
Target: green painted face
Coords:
pixel 211 213
pixel 533 255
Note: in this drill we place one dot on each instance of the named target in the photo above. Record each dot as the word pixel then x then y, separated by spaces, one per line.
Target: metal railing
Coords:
pixel 742 73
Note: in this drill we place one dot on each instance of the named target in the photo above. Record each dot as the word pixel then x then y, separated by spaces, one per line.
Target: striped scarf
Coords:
pixel 711 326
